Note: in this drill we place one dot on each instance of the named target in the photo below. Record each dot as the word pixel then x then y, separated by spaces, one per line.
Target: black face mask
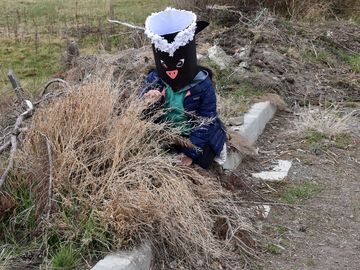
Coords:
pixel 180 69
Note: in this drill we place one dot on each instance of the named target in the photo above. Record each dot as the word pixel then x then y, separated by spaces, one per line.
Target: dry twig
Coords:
pixel 50 184
pixel 57 80
pixel 127 24
pixel 13 140
pixel 5 146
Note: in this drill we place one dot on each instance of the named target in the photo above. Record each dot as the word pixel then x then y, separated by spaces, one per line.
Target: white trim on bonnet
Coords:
pixel 181 39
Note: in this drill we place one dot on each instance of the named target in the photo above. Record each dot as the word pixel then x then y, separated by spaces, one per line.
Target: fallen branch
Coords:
pixel 47 217
pixel 5 146
pixel 13 140
pixel 16 85
pixel 57 80
pixel 127 24
pixel 48 145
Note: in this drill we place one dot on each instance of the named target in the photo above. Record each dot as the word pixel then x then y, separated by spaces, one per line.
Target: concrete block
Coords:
pixel 254 124
pixel 137 259
pixel 233 159
pixel 256 119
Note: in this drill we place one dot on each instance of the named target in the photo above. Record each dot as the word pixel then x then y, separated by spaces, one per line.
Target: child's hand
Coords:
pixel 186 161
pixel 152 94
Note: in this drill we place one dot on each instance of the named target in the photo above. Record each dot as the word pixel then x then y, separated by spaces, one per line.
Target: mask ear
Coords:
pixel 200 25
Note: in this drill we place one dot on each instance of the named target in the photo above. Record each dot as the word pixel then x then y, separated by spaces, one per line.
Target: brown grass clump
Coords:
pixel 328 121
pixel 112 166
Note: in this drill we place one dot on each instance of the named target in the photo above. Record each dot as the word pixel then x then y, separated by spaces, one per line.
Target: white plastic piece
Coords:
pixel 221 159
pixel 266 210
pixel 278 173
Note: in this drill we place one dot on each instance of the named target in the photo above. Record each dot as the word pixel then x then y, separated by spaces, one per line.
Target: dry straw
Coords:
pixel 328 121
pixel 110 162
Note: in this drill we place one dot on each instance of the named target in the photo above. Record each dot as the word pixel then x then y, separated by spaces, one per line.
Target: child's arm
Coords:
pixel 152 85
pixel 151 89
pixel 200 134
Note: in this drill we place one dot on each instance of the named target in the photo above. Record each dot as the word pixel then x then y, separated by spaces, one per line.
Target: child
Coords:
pixel 184 89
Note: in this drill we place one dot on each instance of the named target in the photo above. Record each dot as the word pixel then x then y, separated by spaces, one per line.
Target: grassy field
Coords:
pixel 33 33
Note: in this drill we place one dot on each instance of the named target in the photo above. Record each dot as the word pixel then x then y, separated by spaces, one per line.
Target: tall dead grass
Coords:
pixel 109 162
pixel 308 9
pixel 328 121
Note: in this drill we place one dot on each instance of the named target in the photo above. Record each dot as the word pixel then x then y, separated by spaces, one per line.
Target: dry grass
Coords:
pixel 308 9
pixel 113 166
pixel 327 121
pixel 230 106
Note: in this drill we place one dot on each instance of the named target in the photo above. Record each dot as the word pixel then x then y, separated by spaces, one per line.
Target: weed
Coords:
pixel 353 60
pixel 355 206
pixel 311 262
pixel 273 249
pixel 6 255
pixel 342 140
pixel 325 57
pixel 22 221
pixel 298 193
pixel 17 227
pixel 246 89
pixel 351 104
pixel 66 258
pixel 282 230
pixel 322 56
pixel 315 138
pixel 308 162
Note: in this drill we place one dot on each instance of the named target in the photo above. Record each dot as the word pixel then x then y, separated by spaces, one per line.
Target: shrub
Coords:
pixel 109 167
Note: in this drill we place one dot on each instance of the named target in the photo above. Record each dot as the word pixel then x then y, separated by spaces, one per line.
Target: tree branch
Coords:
pixel 127 24
pixel 13 140
pixel 5 146
pixel 57 80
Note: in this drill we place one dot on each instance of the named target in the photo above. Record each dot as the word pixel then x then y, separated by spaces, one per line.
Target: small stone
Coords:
pixel 219 56
pixel 244 53
pixel 290 80
pixel 200 262
pixel 244 65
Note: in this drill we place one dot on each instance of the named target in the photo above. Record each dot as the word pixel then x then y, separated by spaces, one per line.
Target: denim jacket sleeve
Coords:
pixel 152 82
pixel 201 133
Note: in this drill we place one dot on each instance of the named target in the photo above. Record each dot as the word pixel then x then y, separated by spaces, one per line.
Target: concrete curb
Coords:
pixel 254 124
pixel 136 259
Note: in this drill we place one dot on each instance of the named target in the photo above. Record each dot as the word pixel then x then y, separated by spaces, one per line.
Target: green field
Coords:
pixel 33 33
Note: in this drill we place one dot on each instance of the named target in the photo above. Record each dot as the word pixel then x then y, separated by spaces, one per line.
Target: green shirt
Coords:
pixel 174 110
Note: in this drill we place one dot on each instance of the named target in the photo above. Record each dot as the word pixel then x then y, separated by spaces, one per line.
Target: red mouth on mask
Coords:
pixel 172 73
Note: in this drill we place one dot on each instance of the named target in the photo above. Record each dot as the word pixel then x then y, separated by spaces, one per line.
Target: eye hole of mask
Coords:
pixel 180 63
pixel 163 64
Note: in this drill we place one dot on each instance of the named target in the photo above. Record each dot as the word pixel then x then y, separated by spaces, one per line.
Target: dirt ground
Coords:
pixel 322 231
